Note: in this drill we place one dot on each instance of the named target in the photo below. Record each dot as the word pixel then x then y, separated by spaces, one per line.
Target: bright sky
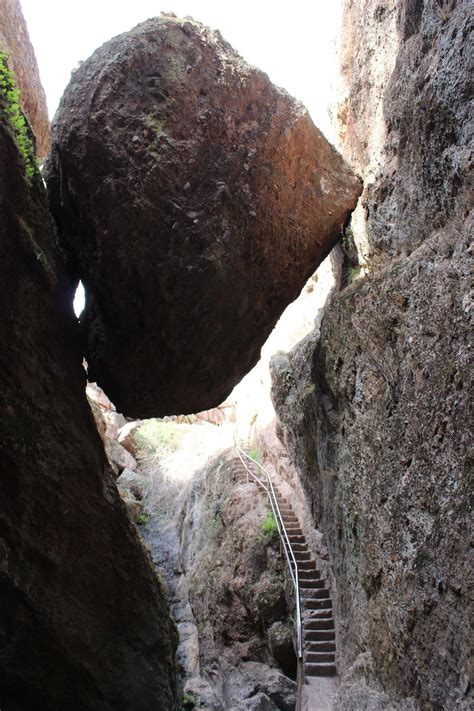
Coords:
pixel 292 41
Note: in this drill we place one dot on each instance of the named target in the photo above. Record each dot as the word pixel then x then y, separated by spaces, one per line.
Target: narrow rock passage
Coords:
pixel 319 679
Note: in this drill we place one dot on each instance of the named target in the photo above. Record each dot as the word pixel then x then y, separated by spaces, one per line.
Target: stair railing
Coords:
pixel 290 556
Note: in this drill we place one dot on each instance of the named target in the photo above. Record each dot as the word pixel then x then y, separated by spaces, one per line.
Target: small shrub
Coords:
pixel 143 519
pixel 190 701
pixel 154 438
pixel 24 140
pixel 253 454
pixel 269 527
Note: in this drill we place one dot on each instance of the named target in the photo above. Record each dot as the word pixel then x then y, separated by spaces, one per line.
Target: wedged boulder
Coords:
pixel 194 199
pixel 84 624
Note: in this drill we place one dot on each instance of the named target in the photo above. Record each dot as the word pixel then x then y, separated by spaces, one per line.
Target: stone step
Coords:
pixel 308 565
pixel 320 669
pixel 301 555
pixel 318 657
pixel 293 531
pixel 319 624
pixel 317 603
pixel 319 613
pixel 319 647
pixel 296 538
pixel 299 546
pixel 319 635
pixel 311 575
pixel 311 602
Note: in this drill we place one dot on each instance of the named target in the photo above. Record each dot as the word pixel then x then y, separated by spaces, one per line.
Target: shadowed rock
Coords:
pixel 194 199
pixel 84 624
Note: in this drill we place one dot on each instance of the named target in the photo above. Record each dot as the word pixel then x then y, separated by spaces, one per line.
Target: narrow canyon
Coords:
pixel 241 478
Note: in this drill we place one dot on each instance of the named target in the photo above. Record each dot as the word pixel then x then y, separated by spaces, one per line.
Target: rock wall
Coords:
pixel 83 622
pixel 236 589
pixel 375 410
pixel 15 42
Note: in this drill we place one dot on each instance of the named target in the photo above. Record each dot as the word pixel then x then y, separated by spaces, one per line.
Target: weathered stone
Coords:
pixel 195 198
pixel 376 410
pixel 281 639
pixel 15 42
pixel 406 118
pixel 134 508
pixel 84 625
pixel 113 421
pixel 126 436
pixel 118 456
pixel 136 483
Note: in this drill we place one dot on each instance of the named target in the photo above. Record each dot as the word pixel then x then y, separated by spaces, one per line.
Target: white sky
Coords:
pixel 292 41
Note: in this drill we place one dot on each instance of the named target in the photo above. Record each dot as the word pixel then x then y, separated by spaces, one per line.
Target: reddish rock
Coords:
pixel 195 199
pixel 15 41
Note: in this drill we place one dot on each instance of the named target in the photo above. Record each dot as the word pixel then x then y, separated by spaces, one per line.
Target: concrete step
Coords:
pixel 299 546
pixel 319 623
pixel 317 647
pixel 320 669
pixel 307 565
pixel 311 602
pixel 318 657
pixel 306 576
pixel 319 635
pixel 317 603
pixel 319 614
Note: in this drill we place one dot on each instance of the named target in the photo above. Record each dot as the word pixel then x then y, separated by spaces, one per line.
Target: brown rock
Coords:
pixel 119 458
pixel 376 408
pixel 15 41
pixel 84 624
pixel 195 199
pixel 126 436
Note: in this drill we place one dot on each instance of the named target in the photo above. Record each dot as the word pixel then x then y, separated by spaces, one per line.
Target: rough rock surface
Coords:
pixel 407 117
pixel 14 40
pixel 375 411
pixel 194 199
pixel 83 622
pixel 235 587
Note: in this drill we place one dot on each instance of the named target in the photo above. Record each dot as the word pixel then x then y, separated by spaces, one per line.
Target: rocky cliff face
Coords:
pixel 83 622
pixel 375 409
pixel 15 42
pixel 234 574
pixel 194 199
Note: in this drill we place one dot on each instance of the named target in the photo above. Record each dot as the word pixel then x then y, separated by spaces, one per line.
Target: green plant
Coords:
pixel 143 519
pixel 155 437
pixel 190 700
pixel 269 527
pixel 253 454
pixel 11 96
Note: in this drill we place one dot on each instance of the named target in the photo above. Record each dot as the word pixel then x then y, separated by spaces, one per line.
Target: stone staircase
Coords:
pixel 319 640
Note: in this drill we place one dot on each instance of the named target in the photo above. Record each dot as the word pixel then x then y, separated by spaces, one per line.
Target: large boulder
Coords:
pixel 194 199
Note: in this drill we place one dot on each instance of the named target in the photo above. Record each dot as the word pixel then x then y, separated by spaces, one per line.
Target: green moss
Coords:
pixel 11 96
pixel 269 527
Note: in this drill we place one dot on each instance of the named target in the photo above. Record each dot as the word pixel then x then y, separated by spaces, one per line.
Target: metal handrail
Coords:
pixel 283 536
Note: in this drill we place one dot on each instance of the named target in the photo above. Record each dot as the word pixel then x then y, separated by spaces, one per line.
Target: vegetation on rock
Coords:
pixel 23 136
